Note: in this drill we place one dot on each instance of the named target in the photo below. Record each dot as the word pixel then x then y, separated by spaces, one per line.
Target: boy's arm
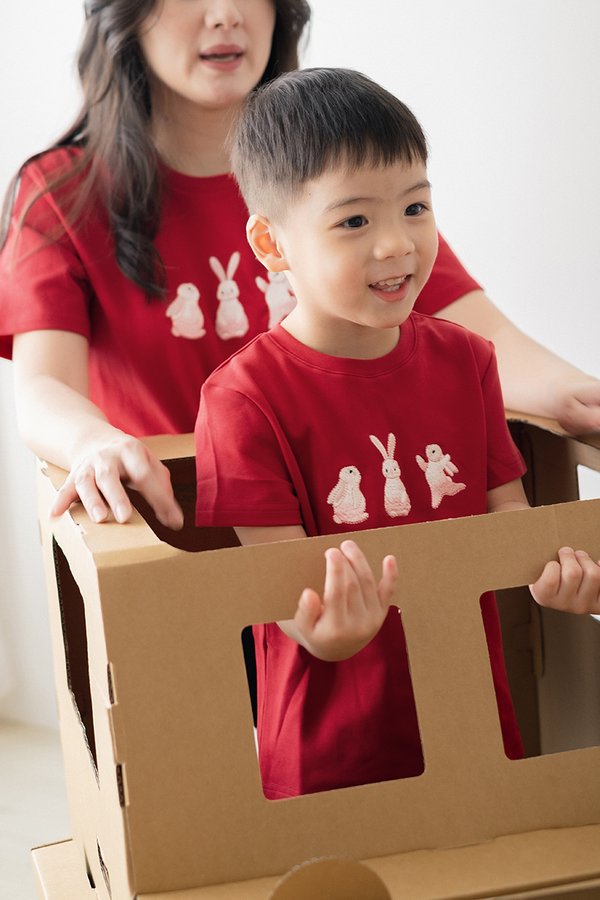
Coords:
pixel 534 379
pixel 569 584
pixel 353 606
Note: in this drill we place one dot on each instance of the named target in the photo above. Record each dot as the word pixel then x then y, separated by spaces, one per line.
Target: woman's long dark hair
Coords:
pixel 118 162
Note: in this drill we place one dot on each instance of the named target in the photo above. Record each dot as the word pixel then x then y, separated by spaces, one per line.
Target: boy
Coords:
pixel 353 413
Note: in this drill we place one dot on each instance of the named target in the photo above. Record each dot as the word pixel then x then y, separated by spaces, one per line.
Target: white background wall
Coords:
pixel 509 95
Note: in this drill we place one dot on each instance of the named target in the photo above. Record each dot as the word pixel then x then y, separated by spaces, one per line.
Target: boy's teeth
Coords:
pixel 389 283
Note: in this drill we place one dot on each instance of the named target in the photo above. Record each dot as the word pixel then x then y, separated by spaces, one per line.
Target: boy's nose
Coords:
pixel 393 243
pixel 223 14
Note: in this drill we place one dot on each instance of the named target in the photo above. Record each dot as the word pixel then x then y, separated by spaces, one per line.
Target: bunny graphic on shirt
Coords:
pixel 278 296
pixel 186 316
pixel 231 321
pixel 347 499
pixel 395 497
pixel 439 470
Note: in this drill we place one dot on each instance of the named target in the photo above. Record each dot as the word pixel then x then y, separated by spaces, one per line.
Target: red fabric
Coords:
pixel 277 424
pixel 449 281
pixel 146 379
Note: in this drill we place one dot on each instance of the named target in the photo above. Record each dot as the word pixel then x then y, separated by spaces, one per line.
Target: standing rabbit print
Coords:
pixel 395 497
pixel 347 499
pixel 439 470
pixel 232 321
pixel 278 296
pixel 186 316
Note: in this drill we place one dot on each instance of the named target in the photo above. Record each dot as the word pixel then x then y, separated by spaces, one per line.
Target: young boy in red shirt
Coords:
pixel 352 413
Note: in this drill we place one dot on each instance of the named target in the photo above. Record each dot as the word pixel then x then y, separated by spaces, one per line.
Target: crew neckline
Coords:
pixel 180 181
pixel 343 365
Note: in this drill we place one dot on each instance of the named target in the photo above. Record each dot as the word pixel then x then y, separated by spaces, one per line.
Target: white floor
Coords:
pixel 33 805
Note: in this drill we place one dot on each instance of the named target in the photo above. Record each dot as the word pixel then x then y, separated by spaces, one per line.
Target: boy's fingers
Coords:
pixel 588 596
pixel 308 612
pixel 365 587
pixel 547 585
pixel 336 582
pixel 389 578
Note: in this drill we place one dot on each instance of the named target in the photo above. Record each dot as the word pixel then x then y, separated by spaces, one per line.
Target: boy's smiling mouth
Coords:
pixel 389 285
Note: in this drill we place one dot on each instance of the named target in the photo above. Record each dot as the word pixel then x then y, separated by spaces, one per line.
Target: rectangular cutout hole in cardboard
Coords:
pixel 553 666
pixel 327 709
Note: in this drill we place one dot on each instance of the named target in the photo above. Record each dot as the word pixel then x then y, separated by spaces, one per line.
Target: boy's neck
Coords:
pixel 346 340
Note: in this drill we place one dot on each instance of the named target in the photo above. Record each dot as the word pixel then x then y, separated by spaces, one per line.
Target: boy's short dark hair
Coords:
pixel 293 128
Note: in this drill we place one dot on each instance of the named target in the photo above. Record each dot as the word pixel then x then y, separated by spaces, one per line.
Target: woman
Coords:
pixel 125 275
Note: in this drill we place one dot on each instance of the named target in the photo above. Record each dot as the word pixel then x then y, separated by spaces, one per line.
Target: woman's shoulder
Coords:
pixel 454 336
pixel 51 165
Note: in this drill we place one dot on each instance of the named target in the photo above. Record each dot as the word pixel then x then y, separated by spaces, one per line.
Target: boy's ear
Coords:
pixel 261 237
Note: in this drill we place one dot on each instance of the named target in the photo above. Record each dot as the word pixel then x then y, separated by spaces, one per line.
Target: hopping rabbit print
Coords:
pixel 231 321
pixel 439 470
pixel 347 499
pixel 278 296
pixel 395 496
pixel 186 316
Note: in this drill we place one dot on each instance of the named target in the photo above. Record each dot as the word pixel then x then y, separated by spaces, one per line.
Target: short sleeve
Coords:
pixel 241 474
pixel 43 283
pixel 504 461
pixel 449 280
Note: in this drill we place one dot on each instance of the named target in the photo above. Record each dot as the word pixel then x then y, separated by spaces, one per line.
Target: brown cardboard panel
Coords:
pixel 58 874
pixel 176 803
pixel 426 875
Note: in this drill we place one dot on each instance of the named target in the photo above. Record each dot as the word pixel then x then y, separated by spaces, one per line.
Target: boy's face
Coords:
pixel 357 247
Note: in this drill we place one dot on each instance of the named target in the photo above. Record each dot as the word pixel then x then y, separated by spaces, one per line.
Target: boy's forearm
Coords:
pixel 507 497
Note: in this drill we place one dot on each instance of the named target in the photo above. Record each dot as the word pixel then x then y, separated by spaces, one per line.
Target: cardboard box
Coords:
pixel 161 766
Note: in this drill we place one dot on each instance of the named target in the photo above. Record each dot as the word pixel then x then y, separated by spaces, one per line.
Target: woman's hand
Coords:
pixel 578 406
pixel 571 584
pixel 97 479
pixel 352 609
pixel 59 422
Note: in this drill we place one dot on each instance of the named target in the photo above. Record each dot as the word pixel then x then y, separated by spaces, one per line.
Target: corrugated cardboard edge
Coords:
pixel 60 876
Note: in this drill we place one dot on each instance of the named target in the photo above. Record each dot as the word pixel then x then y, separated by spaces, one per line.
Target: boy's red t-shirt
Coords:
pixel 148 360
pixel 283 437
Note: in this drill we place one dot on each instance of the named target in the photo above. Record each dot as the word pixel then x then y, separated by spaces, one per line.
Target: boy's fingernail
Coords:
pixel 97 514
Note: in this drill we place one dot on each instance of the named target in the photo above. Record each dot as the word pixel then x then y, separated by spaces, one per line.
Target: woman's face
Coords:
pixel 208 52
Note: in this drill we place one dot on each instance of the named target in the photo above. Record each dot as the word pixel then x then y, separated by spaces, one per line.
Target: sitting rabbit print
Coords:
pixel 231 321
pixel 347 499
pixel 278 296
pixel 186 316
pixel 395 497
pixel 439 470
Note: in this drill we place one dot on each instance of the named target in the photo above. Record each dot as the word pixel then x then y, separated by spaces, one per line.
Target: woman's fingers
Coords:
pixel 98 482
pixel 152 479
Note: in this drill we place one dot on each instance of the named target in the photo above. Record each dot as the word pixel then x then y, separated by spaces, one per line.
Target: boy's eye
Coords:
pixel 415 209
pixel 354 222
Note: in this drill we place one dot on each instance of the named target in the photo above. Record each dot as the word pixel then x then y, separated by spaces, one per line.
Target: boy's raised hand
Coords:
pixel 571 584
pixel 352 609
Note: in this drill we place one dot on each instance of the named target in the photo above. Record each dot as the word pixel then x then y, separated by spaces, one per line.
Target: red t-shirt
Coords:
pixel 285 436
pixel 148 360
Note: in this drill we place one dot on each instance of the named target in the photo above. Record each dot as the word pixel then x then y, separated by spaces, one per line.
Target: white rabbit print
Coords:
pixel 278 296
pixel 231 321
pixel 395 497
pixel 186 316
pixel 347 499
pixel 439 470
